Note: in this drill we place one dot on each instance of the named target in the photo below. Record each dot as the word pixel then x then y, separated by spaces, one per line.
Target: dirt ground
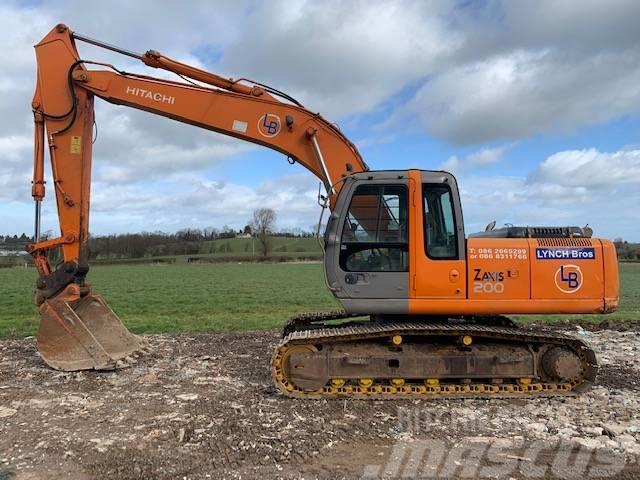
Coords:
pixel 203 406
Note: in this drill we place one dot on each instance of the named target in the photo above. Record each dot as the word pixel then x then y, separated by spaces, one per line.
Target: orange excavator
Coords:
pixel 423 304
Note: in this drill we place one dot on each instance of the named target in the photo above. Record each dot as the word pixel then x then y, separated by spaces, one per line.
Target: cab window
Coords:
pixel 374 235
pixel 439 222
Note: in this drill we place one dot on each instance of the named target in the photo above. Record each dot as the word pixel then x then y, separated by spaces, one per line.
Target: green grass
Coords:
pixel 244 245
pixel 170 298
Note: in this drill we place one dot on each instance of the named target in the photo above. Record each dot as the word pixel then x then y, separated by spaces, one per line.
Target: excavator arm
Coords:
pixel 76 324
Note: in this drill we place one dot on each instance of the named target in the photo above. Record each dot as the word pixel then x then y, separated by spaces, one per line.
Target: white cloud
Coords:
pixel 451 164
pixel 513 200
pixel 487 156
pixel 343 58
pixel 186 200
pixel 190 200
pixel 132 146
pixel 135 146
pixel 517 94
pixel 567 188
pixel 590 26
pixel 481 158
pixel 524 68
pixel 15 179
pixel 589 169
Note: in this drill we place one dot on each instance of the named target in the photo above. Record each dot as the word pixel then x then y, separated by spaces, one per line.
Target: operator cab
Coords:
pixel 376 218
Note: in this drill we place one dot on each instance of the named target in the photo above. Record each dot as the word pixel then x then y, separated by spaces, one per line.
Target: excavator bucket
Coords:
pixel 84 334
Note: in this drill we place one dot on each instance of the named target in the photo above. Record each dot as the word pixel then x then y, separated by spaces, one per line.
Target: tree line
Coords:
pixel 626 250
pixel 188 241
pixel 193 241
pixel 15 239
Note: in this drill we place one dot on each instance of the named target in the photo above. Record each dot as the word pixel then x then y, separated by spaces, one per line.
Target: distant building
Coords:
pixel 11 253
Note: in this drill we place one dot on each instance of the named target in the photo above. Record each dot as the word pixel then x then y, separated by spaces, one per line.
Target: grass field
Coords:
pixel 278 244
pixel 170 298
pixel 290 247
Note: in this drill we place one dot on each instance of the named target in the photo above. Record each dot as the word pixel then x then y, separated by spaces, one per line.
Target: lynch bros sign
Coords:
pixel 150 95
pixel 555 253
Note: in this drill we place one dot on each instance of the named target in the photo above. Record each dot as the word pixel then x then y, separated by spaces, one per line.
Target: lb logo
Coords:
pixel 568 278
pixel 269 125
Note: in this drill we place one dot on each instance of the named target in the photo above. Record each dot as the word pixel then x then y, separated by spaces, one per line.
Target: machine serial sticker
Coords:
pixel 584 253
pixel 239 126
pixel 76 145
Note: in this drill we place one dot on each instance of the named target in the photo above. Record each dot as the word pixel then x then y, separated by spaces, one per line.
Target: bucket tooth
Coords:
pixel 82 335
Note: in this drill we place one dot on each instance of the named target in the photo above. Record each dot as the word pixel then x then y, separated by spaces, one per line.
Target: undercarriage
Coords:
pixel 427 357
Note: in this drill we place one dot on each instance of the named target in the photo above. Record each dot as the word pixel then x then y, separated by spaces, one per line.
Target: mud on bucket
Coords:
pixel 83 334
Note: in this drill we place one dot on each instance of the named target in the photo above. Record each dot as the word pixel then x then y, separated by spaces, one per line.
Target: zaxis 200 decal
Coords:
pixel 490 282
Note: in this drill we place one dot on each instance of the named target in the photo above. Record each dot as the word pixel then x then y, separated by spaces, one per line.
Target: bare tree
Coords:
pixel 314 229
pixel 262 227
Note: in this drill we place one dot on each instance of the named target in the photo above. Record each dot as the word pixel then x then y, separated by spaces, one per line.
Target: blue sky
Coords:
pixel 535 108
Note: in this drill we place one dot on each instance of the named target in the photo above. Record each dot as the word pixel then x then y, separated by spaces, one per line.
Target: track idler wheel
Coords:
pixel 295 367
pixel 561 363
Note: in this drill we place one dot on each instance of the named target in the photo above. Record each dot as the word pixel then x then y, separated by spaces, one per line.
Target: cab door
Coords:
pixel 438 268
pixel 367 243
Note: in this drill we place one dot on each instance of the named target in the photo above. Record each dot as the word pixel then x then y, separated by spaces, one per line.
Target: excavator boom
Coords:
pixel 78 330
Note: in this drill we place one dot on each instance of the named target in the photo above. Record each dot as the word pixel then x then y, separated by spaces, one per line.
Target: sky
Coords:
pixel 534 106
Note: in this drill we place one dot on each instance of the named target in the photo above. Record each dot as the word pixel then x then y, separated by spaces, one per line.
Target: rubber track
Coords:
pixel 322 334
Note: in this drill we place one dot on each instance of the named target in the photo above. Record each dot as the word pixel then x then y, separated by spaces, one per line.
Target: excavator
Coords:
pixel 423 304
